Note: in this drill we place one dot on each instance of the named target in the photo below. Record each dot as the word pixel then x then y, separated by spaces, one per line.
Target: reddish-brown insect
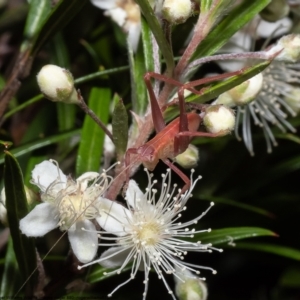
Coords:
pixel 174 138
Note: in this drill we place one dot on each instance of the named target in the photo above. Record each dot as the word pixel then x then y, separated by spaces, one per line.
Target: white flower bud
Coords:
pixel 190 287
pixel 293 99
pixel 177 12
pixel 289 45
pixel 57 84
pixel 242 94
pixel 219 118
pixel 189 158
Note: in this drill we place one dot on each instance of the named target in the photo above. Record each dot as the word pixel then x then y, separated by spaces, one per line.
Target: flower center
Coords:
pixel 149 234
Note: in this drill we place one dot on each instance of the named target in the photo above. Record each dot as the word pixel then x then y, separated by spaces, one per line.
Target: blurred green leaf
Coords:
pixel 97 273
pixel 38 12
pixel 156 29
pixel 16 204
pixel 92 137
pixel 24 149
pixel 61 14
pixel 234 20
pixel 147 46
pixel 271 248
pixel 228 235
pixel 10 275
pixel 291 278
pixel 245 206
pixel 120 128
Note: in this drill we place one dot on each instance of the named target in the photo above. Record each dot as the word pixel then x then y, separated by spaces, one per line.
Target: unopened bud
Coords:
pixel 289 45
pixel 57 84
pixel 242 94
pixel 293 99
pixel 177 12
pixel 218 118
pixel 276 10
pixel 188 286
pixel 189 158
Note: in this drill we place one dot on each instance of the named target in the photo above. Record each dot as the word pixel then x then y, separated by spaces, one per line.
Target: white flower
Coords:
pixel 126 13
pixel 68 204
pixel 149 233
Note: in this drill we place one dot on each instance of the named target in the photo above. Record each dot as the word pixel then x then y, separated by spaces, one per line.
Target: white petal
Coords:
pixel 84 243
pixel 134 31
pixel 46 173
pixel 133 193
pixel 41 220
pixel 111 257
pixel 114 217
pixel 265 29
pixel 118 15
pixel 85 178
pixel 104 4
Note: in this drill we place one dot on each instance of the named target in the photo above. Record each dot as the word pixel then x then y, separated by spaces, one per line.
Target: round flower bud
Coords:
pixel 188 286
pixel 177 12
pixel 189 158
pixel 57 84
pixel 289 45
pixel 293 99
pixel 218 119
pixel 275 11
pixel 242 94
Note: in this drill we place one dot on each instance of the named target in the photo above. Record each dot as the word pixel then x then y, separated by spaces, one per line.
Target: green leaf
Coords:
pixel 234 20
pixel 215 90
pixel 271 248
pixel 156 29
pixel 92 136
pixel 120 128
pixel 227 235
pixel 147 46
pixel 139 97
pixel 16 204
pixel 245 206
pixel 10 274
pixel 38 12
pixel 27 148
pixel 291 278
pixel 60 16
pixel 97 273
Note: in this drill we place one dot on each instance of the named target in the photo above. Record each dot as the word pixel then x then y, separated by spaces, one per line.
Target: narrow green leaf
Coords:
pixel 216 89
pixel 16 205
pixel 138 88
pixel 97 273
pixel 227 235
pixel 38 12
pixel 120 128
pixel 147 46
pixel 271 248
pixel 291 278
pixel 234 20
pixel 92 136
pixel 156 29
pixel 10 274
pixel 245 206
pixel 62 13
pixel 24 149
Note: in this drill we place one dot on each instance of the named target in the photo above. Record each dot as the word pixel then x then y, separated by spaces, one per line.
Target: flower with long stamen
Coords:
pixel 268 98
pixel 149 233
pixel 67 204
